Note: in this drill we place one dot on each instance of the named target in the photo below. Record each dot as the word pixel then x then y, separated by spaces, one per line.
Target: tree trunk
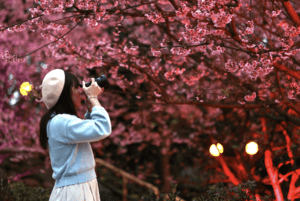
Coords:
pixel 166 173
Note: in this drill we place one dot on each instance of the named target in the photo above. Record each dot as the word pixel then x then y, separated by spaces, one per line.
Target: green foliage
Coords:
pixel 19 192
pixel 218 192
pixel 172 195
pixel 225 92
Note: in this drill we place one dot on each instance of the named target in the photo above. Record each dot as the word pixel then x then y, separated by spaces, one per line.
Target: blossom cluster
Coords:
pixel 35 11
pixel 218 32
pixel 221 19
pixel 264 90
pixel 294 85
pixel 90 65
pixel 42 25
pixel 57 26
pixel 282 55
pixel 195 35
pixel 69 3
pixel 48 37
pixel 74 19
pixel 289 30
pixel 250 98
pixel 100 13
pixel 41 1
pixel 169 74
pixel 241 102
pixel 293 89
pixel 54 9
pixel 200 15
pixel 131 50
pixel 155 52
pixel 260 72
pixel 114 72
pixel 262 94
pixel 291 94
pixel 91 22
pixel 273 13
pixel 57 6
pixel 250 29
pixel 87 5
pixel 206 5
pixel 183 11
pixel 251 69
pixel 180 51
pixel 11 58
pixel 17 28
pixel 163 43
pixel 155 18
pixel 193 79
pixel 201 48
pixel 222 97
pixel 215 51
pixel 231 66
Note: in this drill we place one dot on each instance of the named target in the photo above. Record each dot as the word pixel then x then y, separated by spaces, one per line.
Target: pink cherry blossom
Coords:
pixel 273 13
pixel 221 18
pixel 156 52
pixel 250 98
pixel 180 51
pixel 183 11
pixel 155 17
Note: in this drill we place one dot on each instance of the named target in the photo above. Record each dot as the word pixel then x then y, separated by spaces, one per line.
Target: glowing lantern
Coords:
pixel 24 88
pixel 216 150
pixel 252 148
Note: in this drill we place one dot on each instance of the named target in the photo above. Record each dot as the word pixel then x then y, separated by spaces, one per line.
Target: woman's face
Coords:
pixel 76 96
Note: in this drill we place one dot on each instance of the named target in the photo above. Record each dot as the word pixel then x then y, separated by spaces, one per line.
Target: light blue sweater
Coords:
pixel 71 154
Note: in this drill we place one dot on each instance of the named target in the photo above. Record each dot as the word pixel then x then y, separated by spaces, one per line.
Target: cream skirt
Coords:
pixel 87 191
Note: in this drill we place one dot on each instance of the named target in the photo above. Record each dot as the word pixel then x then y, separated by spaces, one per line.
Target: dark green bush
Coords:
pixel 19 192
pixel 218 192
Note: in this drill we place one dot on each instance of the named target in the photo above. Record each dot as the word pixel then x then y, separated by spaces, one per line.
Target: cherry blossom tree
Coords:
pixel 181 72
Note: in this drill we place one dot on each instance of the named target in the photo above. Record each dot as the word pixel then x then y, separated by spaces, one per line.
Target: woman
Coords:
pixel 68 137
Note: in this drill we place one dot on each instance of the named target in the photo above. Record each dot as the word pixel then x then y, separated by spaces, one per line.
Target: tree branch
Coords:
pixel 53 41
pixel 288 146
pixel 22 22
pixel 290 72
pixel 227 171
pixel 273 174
pixel 221 105
pixel 292 13
pixel 174 4
pixel 292 190
pixel 283 117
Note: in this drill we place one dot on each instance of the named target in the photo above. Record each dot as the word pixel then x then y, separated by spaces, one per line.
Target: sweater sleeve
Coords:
pixel 87 115
pixel 73 130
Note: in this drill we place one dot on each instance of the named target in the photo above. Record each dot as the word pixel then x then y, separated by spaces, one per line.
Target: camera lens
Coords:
pixel 101 81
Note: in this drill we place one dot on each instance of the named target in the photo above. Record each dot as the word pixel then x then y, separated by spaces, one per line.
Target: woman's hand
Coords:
pixel 92 91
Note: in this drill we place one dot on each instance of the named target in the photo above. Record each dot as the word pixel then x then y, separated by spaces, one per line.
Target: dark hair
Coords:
pixel 64 105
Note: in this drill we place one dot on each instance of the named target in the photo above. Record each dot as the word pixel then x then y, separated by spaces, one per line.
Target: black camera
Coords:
pixel 101 81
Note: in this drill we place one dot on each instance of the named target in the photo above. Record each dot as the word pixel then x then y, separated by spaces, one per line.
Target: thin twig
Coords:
pixel 53 41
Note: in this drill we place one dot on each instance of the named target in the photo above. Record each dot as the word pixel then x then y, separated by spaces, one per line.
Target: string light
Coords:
pixel 25 88
pixel 251 148
pixel 216 150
